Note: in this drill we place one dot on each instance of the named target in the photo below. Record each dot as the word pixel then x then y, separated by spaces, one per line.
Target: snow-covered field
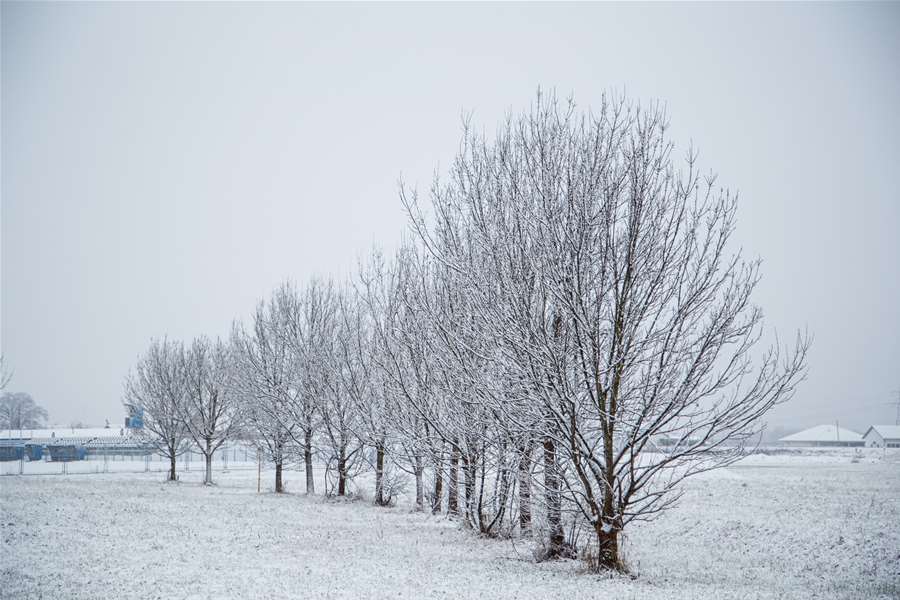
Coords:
pixel 815 525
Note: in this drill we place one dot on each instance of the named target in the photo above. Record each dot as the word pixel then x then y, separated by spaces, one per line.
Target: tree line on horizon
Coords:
pixel 18 410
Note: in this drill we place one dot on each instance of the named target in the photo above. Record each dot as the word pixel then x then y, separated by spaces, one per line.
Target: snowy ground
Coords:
pixel 807 526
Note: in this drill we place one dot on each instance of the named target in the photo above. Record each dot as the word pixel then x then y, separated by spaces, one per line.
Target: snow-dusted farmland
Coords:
pixel 802 526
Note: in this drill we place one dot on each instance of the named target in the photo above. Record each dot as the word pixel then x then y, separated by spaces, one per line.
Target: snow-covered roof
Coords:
pixel 823 433
pixel 888 432
pixel 61 432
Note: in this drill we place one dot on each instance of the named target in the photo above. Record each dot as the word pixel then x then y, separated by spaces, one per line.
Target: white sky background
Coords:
pixel 164 166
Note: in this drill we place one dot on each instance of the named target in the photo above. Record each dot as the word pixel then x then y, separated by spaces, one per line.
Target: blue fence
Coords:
pixel 34 451
pixel 66 453
pixel 10 453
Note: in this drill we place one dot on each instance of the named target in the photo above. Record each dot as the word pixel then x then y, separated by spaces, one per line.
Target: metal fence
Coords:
pixel 131 460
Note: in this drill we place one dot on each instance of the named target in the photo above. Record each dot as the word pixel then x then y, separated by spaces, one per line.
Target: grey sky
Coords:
pixel 165 165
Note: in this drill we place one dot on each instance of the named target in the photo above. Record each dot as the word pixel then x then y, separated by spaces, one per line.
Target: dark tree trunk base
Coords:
pixel 342 477
pixel 453 484
pixel 524 476
pixel 279 486
pixel 379 476
pixel 307 459
pixel 438 496
pixel 607 557
pixel 556 551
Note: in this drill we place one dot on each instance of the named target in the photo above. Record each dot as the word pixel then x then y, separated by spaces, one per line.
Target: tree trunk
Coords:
pixel 556 538
pixel 420 491
pixel 379 474
pixel 505 478
pixel 307 459
pixel 172 476
pixel 608 548
pixel 208 455
pixel 438 497
pixel 525 490
pixel 453 484
pixel 207 478
pixel 608 524
pixel 469 488
pixel 279 488
pixel 342 474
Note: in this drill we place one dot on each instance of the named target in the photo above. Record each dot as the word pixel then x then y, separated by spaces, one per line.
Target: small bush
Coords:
pixel 393 484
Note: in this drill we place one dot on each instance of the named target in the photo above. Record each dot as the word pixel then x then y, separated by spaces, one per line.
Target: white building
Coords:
pixel 823 436
pixel 883 436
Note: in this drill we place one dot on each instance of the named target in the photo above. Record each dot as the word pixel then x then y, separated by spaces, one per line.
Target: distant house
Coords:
pixel 882 436
pixel 823 436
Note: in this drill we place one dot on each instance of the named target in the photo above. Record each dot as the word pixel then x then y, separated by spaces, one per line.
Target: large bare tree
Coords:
pixel 604 271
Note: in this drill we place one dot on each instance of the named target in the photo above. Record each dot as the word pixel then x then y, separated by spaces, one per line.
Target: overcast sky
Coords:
pixel 166 165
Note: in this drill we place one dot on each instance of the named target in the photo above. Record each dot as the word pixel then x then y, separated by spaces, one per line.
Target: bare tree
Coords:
pixel 347 385
pixel 362 382
pixel 18 410
pixel 453 407
pixel 266 375
pixel 601 269
pixel 157 386
pixel 399 351
pixel 211 412
pixel 307 321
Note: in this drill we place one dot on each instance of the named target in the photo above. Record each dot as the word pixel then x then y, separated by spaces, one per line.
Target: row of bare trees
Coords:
pixel 569 297
pixel 187 396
